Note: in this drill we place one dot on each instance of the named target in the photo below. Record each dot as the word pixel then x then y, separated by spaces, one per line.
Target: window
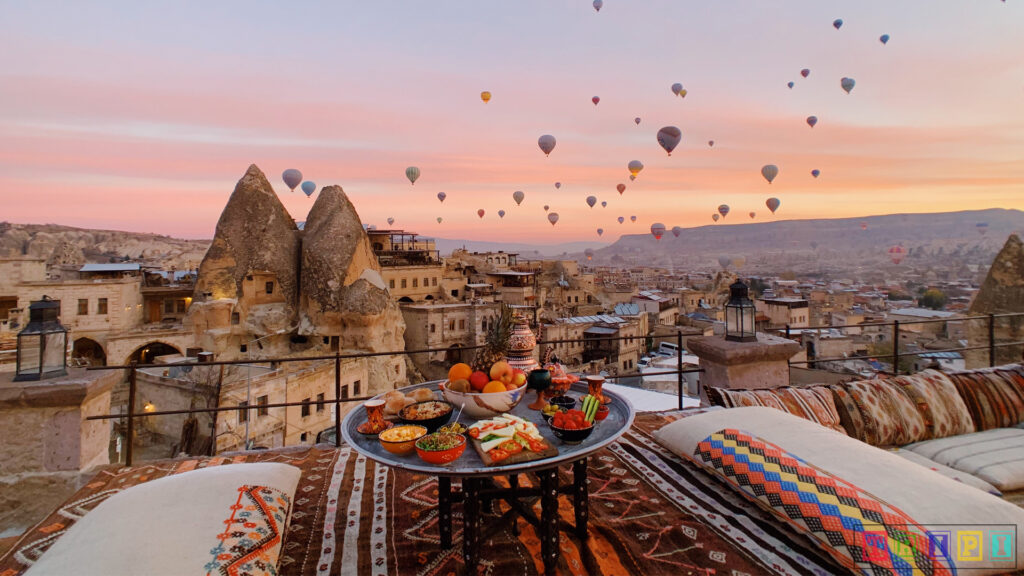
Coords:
pixel 568 299
pixel 433 281
pixel 344 392
pixel 433 328
pixel 101 306
pixel 357 387
pixel 455 293
pixel 235 318
pixel 426 282
pixel 451 324
pixel 83 307
pixel 302 437
pixel 180 305
pixel 415 282
pixel 483 325
pixel 261 406
pixel 391 283
pixel 403 282
pixel 168 306
pixel 462 324
pixel 305 407
pixel 577 299
pixel 320 402
pixel 243 412
pixel 243 348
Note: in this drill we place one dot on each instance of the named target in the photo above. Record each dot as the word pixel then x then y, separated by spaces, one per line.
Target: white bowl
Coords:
pixel 481 405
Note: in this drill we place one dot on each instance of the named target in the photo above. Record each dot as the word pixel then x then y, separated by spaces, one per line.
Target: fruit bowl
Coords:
pixel 482 405
pixel 443 456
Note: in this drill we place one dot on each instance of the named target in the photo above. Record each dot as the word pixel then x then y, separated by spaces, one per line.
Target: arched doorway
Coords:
pixel 454 354
pixel 88 352
pixel 146 354
pixel 405 300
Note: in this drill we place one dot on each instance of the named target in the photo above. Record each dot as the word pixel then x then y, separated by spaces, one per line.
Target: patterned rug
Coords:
pixel 651 513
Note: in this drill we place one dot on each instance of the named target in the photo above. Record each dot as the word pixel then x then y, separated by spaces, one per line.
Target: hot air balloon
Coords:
pixel 441 196
pixel 390 221
pixel 723 210
pixel 553 218
pixel 604 204
pixel 518 197
pixel 308 187
pixel 558 185
pixel 501 213
pixel 682 93
pixel 981 227
pixel 632 177
pixel 896 254
pixel 546 207
pixel 676 88
pixel 772 204
pixel 815 172
pixel 598 4
pixel 676 231
pixel 480 212
pixel 711 143
pixel 847 84
pixel 621 219
pixel 812 120
pixel 657 229
pixel 439 219
pixel 805 72
pixel 739 261
pixel 635 166
pixel 632 218
pixel 753 215
pixel 724 262
pixel 546 143
pixel 863 225
pixel 715 217
pixel 621 188
pixel 589 252
pixel 485 96
pixel 637 120
pixel 412 173
pixel 837 23
pixel 668 138
pixel 591 200
pixel 769 171
pixel 600 231
pixel 595 100
pixel 292 178
pixel 790 85
pixel 884 38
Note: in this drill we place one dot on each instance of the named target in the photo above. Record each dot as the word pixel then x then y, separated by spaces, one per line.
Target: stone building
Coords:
pixel 411 266
pixel 451 327
pixel 782 311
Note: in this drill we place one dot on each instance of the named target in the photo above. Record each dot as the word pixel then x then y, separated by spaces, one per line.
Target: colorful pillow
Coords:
pixel 849 414
pixel 994 401
pixel 891 417
pixel 812 403
pixel 938 402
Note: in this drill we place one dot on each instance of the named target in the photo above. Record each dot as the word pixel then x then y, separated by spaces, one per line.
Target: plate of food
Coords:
pixel 509 439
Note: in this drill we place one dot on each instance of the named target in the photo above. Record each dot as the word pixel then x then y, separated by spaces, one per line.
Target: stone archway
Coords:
pixel 405 300
pixel 454 354
pixel 88 352
pixel 146 353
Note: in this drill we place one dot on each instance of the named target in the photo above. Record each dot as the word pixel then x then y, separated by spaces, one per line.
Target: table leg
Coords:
pixel 513 483
pixel 549 519
pixel 444 510
pixel 470 524
pixel 580 497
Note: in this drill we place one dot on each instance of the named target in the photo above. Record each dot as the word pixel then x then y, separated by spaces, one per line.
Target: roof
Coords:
pixel 601 330
pixel 603 318
pixel 942 355
pixel 922 313
pixel 119 267
pixel 509 273
pixel 627 309
pixel 654 295
pixel 479 285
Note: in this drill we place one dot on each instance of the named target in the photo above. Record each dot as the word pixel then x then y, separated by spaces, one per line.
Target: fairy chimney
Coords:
pixel 1002 292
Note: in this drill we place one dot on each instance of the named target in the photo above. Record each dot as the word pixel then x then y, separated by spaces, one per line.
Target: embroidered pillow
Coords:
pixel 891 418
pixel 939 402
pixel 812 403
pixel 992 400
pixel 849 414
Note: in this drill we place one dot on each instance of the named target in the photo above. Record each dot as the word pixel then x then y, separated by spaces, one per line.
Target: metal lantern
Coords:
pixel 42 345
pixel 739 315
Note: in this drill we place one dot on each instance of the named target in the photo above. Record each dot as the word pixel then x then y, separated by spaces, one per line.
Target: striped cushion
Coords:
pixel 996 456
pixel 813 403
pixel 994 397
pixel 938 402
pixel 891 417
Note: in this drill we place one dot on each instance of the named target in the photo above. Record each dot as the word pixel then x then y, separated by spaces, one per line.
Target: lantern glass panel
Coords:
pixel 28 354
pixel 53 352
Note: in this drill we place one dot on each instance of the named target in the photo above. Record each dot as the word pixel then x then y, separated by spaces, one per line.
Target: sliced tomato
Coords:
pixel 535 445
pixel 497 454
pixel 474 432
pixel 512 447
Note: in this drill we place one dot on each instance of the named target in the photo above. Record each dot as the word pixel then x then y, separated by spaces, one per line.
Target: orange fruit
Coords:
pixel 494 386
pixel 459 371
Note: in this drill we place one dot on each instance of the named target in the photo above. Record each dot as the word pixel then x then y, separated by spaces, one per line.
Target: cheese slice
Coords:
pixel 491 444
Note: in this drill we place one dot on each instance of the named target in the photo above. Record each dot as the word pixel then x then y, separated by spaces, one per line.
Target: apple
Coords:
pixel 519 379
pixel 478 380
pixel 502 372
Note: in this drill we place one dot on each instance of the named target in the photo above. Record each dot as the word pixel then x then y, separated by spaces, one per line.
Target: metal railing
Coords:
pixel 133 368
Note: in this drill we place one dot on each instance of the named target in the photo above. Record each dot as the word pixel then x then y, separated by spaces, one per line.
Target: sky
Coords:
pixel 142 116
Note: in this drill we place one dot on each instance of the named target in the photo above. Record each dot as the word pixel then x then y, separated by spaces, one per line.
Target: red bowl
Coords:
pixel 442 457
pixel 602 413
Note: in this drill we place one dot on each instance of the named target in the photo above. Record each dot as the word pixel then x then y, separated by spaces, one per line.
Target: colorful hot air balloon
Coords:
pixel 896 254
pixel 682 93
pixel 884 38
pixel 790 85
pixel 441 196
pixel 769 171
pixel 439 219
pixel 480 212
pixel 553 218
pixel 632 218
pixel 591 200
pixel 812 120
pixel 589 252
pixel 546 143
pixel 595 100
pixel 677 88
pixel 412 173
pixel 546 207
pixel 598 4
pixel 621 188
pixel 753 215
pixel 632 177
pixel 390 221
pixel 676 231
pixel 657 229
pixel 847 84
pixel 604 204
pixel 292 178
pixel 600 231
pixel 669 137
pixel 637 120
pixel 739 261
pixel 621 219
pixel 815 172
pixel 518 197
pixel 723 210
pixel 711 143
pixel 558 185
pixel 501 213
pixel 863 225
pixel 308 187
pixel 837 23
pixel 635 166
pixel 724 262
pixel 805 72
pixel 772 204
pixel 715 217
pixel 485 96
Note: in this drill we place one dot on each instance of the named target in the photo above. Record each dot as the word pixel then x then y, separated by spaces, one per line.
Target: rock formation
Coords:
pixel 1002 292
pixel 66 254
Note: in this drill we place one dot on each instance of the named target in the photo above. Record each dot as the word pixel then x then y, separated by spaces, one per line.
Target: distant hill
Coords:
pixel 445 246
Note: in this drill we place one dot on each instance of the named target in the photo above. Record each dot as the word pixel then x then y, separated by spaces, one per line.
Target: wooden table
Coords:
pixel 478 486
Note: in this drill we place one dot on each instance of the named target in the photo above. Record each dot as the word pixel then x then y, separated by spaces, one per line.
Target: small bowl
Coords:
pixel 442 457
pixel 548 417
pixel 431 424
pixel 602 412
pixel 401 446
pixel 566 403
pixel 571 436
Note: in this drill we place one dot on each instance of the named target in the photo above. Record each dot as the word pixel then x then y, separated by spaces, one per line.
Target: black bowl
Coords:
pixel 564 402
pixel 431 424
pixel 571 436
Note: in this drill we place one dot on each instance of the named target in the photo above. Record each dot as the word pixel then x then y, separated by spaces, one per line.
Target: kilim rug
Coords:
pixel 651 513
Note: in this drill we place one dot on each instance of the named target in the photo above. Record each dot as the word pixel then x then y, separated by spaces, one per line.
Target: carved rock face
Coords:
pixel 1001 292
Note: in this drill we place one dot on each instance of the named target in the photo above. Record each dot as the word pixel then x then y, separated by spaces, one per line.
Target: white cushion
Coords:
pixel 930 500
pixel 948 472
pixel 182 524
pixel 996 456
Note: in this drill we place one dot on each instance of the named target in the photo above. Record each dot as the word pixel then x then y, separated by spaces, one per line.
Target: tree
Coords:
pixel 933 298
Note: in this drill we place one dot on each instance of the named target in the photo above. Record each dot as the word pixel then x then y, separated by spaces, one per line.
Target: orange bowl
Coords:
pixel 443 456
pixel 401 439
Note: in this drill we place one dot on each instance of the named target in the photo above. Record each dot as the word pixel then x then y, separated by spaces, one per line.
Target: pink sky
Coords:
pixel 124 117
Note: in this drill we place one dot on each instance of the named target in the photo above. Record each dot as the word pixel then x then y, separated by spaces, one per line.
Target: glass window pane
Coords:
pixel 53 353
